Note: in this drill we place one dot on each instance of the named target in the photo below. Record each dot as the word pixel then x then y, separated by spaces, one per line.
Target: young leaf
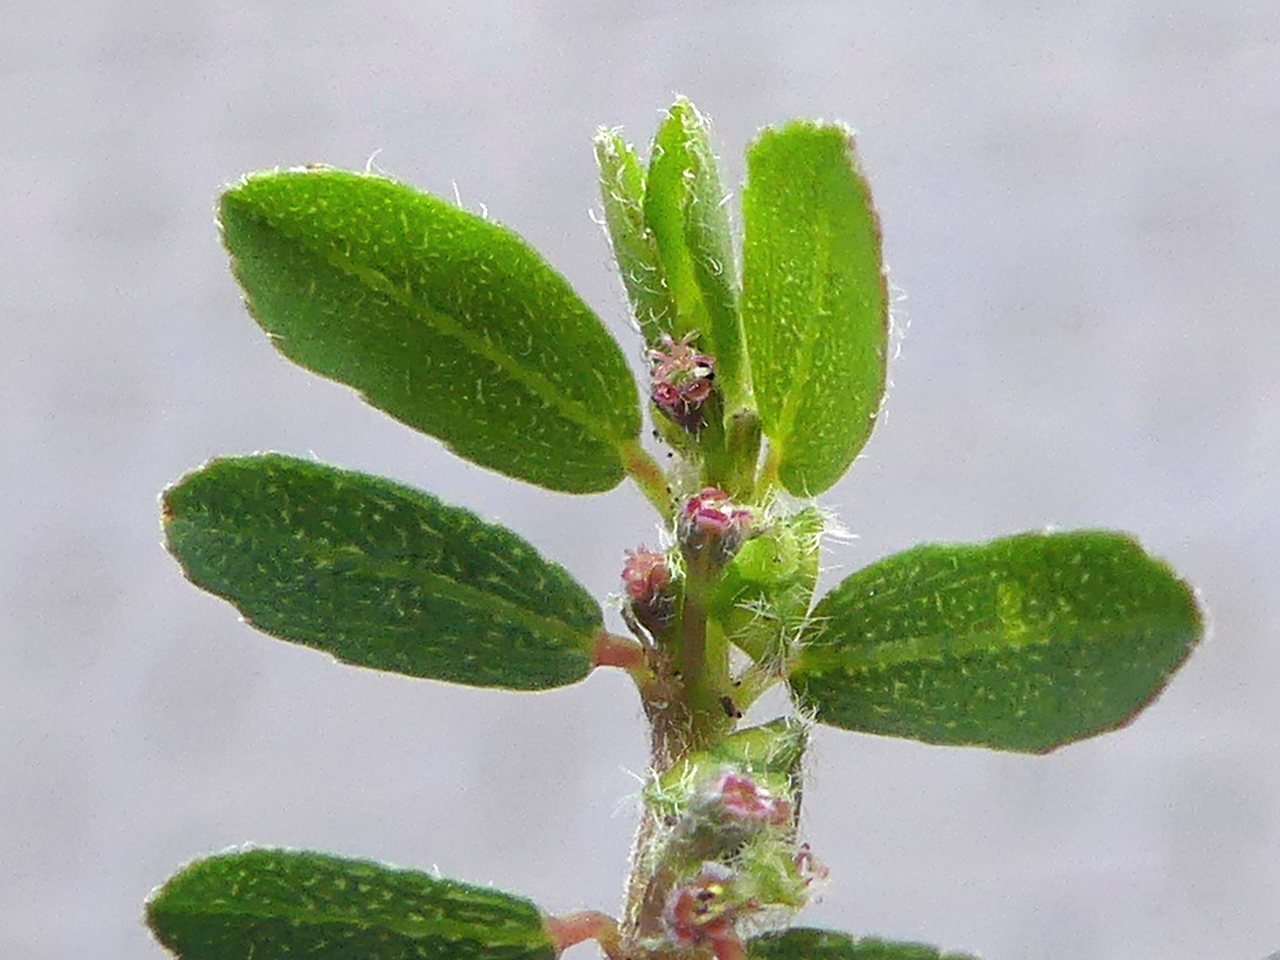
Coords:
pixel 449 323
pixel 285 904
pixel 771 754
pixel 806 943
pixel 815 306
pixel 379 575
pixel 634 248
pixel 1025 643
pixel 774 748
pixel 766 589
pixel 685 208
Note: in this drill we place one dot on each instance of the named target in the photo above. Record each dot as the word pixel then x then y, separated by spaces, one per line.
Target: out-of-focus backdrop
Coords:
pixel 1081 210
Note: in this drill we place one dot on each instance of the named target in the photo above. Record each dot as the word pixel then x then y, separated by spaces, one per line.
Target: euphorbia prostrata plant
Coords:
pixel 766 372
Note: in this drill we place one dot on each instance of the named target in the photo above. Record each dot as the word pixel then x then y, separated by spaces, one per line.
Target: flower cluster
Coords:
pixel 647 581
pixel 746 801
pixel 710 524
pixel 728 808
pixel 682 381
pixel 733 849
pixel 701 911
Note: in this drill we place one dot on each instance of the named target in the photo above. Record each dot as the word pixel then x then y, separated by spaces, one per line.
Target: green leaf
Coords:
pixel 449 323
pixel 287 904
pixel 771 750
pixel 634 247
pixel 806 943
pixel 685 207
pixel 815 307
pixel 764 594
pixel 379 575
pixel 772 753
pixel 1025 643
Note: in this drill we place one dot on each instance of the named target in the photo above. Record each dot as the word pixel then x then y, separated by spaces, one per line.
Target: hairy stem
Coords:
pixel 704 658
pixel 731 465
pixel 648 476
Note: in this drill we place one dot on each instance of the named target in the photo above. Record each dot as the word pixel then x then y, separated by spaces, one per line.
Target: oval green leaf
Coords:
pixel 815 306
pixel 1025 643
pixel 287 904
pixel 634 248
pixel 807 943
pixel 451 324
pixel 379 575
pixel 686 209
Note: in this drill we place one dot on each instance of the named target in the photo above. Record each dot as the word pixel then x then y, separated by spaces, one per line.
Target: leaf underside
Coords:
pixel 278 904
pixel 807 943
pixel 378 574
pixel 814 301
pixel 451 324
pixel 1025 643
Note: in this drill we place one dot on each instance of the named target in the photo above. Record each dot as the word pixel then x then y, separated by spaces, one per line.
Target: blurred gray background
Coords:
pixel 1081 205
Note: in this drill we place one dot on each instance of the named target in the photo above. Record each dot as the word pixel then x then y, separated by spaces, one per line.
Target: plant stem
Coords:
pixel 574 928
pixel 612 650
pixel 768 479
pixel 648 476
pixel 703 659
pixel 731 466
pixel 754 681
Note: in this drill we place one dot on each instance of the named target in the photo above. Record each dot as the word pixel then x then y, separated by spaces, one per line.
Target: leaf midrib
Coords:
pixel 437 583
pixel 891 653
pixel 800 372
pixel 535 382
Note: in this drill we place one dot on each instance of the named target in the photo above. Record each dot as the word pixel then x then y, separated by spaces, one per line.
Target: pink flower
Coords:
pixel 709 520
pixel 682 381
pixel 645 574
pixel 812 870
pixel 646 578
pixel 744 800
pixel 698 911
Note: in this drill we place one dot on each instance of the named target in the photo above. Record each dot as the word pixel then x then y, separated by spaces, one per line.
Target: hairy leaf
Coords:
pixel 634 247
pixel 765 592
pixel 287 904
pixel 814 301
pixel 685 207
pixel 771 754
pixel 449 323
pixel 771 749
pixel 806 943
pixel 1025 643
pixel 379 575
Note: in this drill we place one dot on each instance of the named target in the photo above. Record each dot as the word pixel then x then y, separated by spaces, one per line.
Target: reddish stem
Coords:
pixel 728 947
pixel 575 928
pixel 612 650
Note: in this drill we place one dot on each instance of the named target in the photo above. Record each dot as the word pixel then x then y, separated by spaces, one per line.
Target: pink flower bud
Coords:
pixel 645 574
pixel 710 521
pixel 646 578
pixel 682 381
pixel 699 911
pixel 744 800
